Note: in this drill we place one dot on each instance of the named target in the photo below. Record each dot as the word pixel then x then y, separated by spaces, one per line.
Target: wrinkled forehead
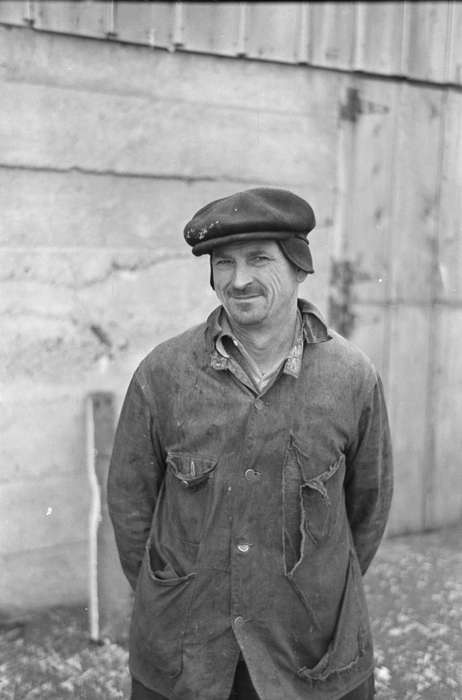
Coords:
pixel 243 249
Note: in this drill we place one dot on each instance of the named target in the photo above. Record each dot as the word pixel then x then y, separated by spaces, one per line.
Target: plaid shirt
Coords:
pixel 240 363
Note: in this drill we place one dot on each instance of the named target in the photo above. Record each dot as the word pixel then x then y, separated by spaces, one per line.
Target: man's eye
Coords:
pixel 260 259
pixel 222 262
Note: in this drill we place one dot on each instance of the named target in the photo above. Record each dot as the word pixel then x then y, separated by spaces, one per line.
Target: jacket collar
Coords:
pixel 314 327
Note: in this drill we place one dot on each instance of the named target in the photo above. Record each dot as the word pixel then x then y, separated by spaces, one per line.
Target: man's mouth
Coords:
pixel 246 295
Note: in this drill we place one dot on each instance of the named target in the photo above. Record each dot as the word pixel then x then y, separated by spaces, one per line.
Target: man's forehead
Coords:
pixel 246 248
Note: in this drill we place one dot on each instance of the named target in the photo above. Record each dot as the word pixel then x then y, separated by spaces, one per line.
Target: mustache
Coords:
pixel 242 293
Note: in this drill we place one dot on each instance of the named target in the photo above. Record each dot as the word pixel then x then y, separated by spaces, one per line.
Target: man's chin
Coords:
pixel 246 317
pixel 246 311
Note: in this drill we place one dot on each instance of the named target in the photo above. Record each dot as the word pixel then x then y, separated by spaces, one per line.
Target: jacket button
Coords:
pixel 239 620
pixel 243 547
pixel 251 475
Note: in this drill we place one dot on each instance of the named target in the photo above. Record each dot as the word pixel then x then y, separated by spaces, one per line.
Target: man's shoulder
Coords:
pixel 349 358
pixel 176 349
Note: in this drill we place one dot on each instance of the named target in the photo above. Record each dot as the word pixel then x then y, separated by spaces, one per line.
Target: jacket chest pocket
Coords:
pixel 313 501
pixel 321 499
pixel 189 480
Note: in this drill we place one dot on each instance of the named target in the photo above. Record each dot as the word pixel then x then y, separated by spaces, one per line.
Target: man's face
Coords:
pixel 255 282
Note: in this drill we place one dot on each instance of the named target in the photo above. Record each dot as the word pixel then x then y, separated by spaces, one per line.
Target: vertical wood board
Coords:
pixel 415 207
pixel 446 401
pixel 419 40
pixel 407 389
pixel 450 219
pixel 211 27
pixel 371 128
pixel 454 43
pixel 83 18
pixel 272 30
pixel 379 37
pixel 332 33
pixel 149 23
pixel 426 40
pixel 370 333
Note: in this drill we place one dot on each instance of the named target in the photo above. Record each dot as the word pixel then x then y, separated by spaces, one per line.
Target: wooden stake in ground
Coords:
pixel 109 593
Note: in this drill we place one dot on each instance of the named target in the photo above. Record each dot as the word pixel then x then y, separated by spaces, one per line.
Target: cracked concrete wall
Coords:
pixel 106 151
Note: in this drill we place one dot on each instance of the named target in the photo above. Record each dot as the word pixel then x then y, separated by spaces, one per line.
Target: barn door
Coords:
pixel 386 282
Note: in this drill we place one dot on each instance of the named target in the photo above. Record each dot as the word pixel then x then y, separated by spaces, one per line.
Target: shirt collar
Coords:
pixel 310 329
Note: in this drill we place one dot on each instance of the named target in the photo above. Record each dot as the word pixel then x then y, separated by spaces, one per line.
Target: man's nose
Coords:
pixel 242 275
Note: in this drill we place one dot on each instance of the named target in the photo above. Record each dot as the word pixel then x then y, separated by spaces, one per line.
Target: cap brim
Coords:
pixel 207 246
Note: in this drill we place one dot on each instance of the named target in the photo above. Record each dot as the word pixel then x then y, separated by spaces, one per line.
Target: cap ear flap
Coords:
pixel 211 273
pixel 297 250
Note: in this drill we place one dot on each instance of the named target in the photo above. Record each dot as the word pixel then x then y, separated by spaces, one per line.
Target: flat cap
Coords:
pixel 259 213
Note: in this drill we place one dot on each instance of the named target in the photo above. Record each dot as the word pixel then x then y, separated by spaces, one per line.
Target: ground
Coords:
pixel 414 589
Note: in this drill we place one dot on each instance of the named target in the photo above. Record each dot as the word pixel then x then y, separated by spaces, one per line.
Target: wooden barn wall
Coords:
pixel 397 287
pixel 419 40
pixel 106 149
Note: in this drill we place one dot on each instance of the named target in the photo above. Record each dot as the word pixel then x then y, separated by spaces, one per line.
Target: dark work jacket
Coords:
pixel 244 522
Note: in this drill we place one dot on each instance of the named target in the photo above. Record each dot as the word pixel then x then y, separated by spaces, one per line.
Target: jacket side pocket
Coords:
pixel 351 638
pixel 160 617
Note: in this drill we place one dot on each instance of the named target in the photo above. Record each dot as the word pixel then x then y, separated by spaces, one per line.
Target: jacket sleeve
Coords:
pixel 369 477
pixel 135 475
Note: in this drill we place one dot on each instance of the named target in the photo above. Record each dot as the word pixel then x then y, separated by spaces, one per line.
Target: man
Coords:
pixel 251 480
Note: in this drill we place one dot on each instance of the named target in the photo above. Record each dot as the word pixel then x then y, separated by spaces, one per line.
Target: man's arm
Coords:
pixel 134 478
pixel 369 480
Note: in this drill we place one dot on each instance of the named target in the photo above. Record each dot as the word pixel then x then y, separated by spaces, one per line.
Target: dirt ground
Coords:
pixel 414 590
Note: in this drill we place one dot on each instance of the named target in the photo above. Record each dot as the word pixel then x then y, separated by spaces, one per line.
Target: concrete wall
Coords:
pixel 106 150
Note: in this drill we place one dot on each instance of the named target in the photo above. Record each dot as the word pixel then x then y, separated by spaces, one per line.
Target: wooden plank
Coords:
pixel 332 33
pixel 52 60
pixel 211 27
pixel 110 597
pixel 450 215
pixel 369 331
pixel 379 37
pixel 445 503
pixel 315 288
pixel 454 44
pixel 360 279
pixel 148 23
pixel 272 31
pixel 408 391
pixel 85 18
pixel 426 40
pixel 368 115
pixel 416 182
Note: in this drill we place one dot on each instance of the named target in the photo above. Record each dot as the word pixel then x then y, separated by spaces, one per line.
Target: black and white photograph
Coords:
pixel 230 350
